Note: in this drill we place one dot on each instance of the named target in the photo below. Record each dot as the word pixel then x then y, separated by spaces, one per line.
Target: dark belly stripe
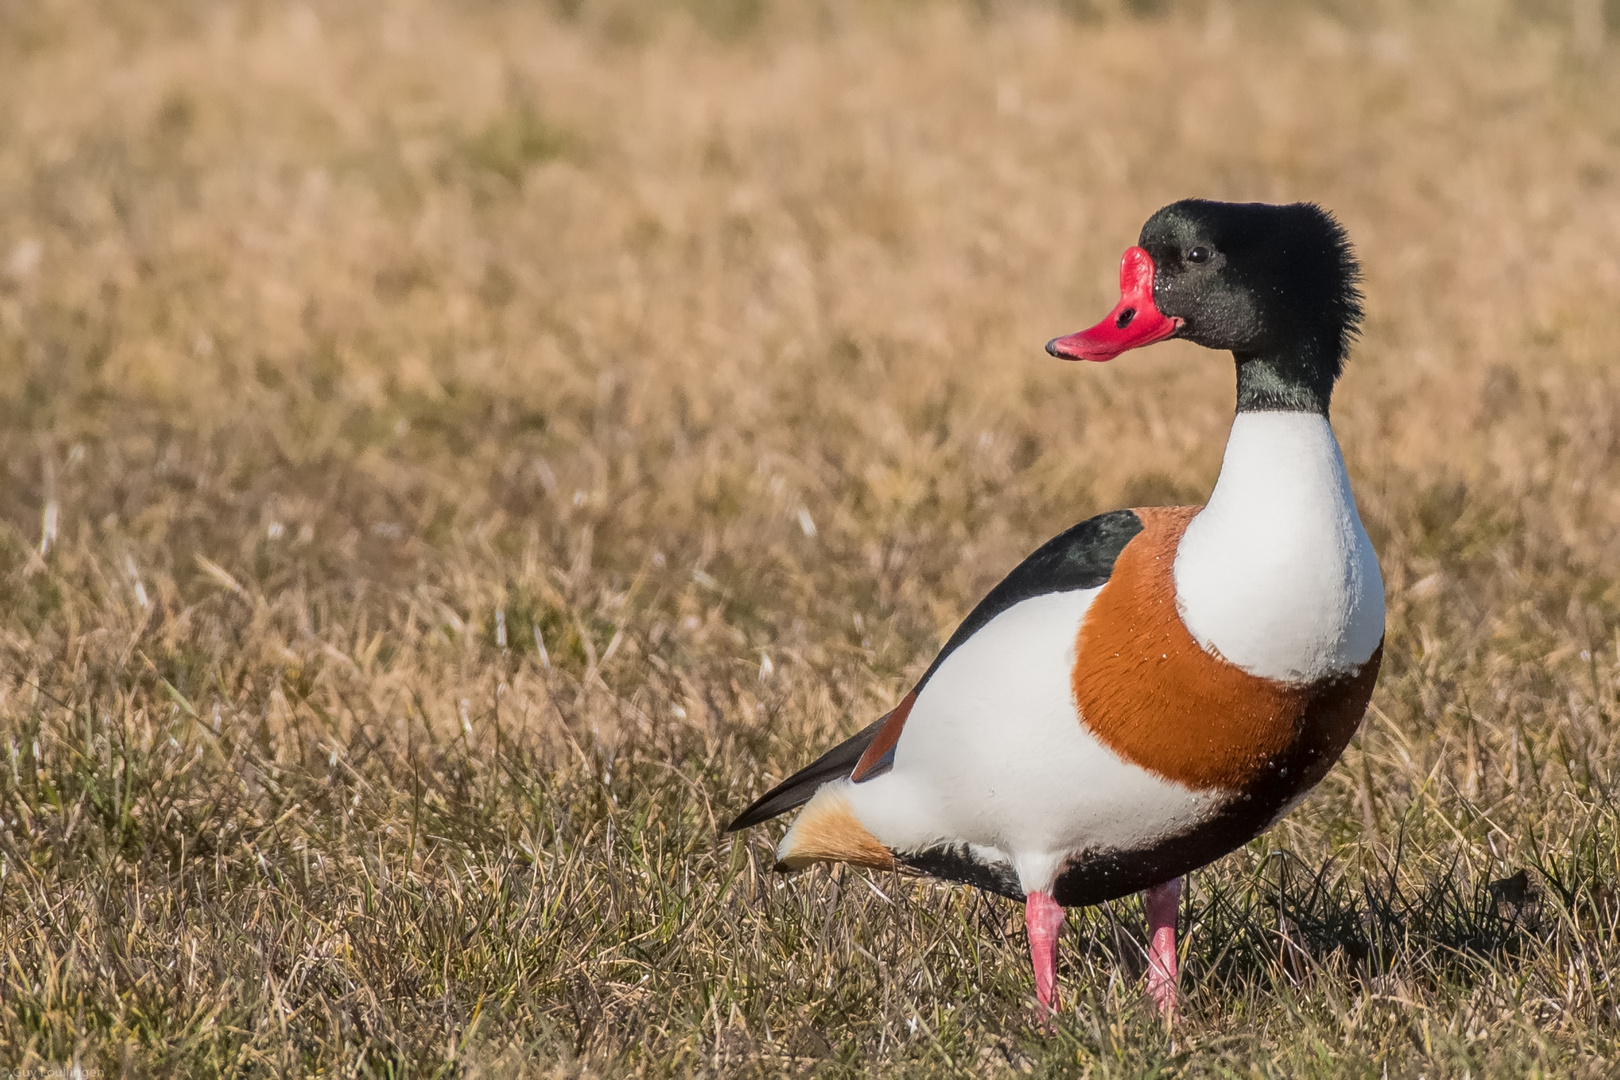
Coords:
pixel 956 862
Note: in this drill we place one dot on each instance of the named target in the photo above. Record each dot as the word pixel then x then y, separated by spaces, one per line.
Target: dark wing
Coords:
pixel 1079 558
pixel 797 789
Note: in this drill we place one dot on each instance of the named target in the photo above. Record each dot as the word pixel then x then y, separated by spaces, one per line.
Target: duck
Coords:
pixel 1154 687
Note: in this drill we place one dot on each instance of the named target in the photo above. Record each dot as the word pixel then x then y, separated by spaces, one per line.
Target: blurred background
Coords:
pixel 455 455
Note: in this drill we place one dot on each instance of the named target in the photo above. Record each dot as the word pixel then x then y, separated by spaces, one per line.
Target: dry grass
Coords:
pixel 348 354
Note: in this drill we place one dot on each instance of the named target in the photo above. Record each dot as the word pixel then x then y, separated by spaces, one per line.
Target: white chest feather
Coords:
pixel 1276 573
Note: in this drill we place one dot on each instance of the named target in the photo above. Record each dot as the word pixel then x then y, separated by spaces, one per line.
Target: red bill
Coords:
pixel 1134 322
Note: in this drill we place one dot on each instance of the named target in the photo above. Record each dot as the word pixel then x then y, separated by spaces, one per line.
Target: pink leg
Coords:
pixel 1043 918
pixel 1161 902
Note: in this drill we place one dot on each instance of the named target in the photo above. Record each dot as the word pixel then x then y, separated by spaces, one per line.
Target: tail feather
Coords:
pixel 797 789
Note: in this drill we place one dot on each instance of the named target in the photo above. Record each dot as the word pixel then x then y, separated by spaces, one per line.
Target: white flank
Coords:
pixel 994 754
pixel 1276 573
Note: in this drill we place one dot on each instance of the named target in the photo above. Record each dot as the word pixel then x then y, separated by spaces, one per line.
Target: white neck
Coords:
pixel 1276 573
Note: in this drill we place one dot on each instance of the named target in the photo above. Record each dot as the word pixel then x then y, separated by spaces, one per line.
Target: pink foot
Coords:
pixel 1043 918
pixel 1162 902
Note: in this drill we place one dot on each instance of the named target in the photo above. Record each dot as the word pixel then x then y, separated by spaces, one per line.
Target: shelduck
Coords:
pixel 1154 687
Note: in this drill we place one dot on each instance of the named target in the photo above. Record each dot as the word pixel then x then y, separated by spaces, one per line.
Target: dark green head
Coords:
pixel 1277 286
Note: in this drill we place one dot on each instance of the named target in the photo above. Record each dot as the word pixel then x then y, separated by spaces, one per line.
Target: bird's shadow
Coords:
pixel 1287 919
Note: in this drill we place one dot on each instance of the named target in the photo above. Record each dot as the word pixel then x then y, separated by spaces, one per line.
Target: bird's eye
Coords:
pixel 1198 254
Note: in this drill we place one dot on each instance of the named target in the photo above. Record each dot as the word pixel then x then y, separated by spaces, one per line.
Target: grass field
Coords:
pixel 456 455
